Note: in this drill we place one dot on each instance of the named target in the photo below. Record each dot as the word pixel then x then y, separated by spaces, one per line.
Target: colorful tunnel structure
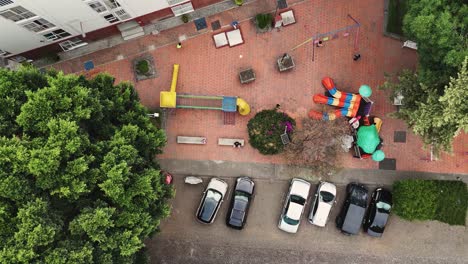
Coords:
pixel 348 103
pixel 170 99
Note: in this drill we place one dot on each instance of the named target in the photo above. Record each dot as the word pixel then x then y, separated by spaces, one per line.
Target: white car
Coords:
pixel 294 205
pixel 211 201
pixel 323 203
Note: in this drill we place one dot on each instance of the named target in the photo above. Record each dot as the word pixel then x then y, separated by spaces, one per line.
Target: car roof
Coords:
pixel 321 216
pixel 218 185
pixel 353 219
pixel 209 206
pixel 294 211
pixel 300 187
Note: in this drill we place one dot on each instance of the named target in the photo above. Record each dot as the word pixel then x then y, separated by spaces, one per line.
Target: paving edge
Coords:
pixel 222 168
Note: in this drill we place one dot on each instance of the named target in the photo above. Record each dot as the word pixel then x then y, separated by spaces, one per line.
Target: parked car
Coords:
pixel 211 201
pixel 240 203
pixel 352 214
pixel 323 203
pixel 294 205
pixel 378 213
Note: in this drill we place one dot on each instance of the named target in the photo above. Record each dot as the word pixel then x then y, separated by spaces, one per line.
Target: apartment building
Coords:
pixel 30 27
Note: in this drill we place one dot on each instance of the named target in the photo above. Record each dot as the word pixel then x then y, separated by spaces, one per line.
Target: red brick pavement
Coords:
pixel 209 71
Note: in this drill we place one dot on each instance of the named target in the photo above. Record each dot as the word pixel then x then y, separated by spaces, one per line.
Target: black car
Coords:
pixel 240 203
pixel 378 213
pixel 352 214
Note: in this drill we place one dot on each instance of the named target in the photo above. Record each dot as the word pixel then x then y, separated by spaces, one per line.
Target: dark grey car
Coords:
pixel 240 203
pixel 352 214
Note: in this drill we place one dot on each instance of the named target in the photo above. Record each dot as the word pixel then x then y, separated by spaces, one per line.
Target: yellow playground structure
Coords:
pixel 225 103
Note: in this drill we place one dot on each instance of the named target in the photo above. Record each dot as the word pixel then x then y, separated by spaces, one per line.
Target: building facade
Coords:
pixel 29 27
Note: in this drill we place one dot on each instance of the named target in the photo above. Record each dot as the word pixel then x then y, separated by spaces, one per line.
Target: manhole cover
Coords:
pixel 282 4
pixel 387 164
pixel 200 23
pixel 216 25
pixel 399 136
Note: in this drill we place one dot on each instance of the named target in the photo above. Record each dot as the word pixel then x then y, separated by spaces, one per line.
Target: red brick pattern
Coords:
pixel 209 71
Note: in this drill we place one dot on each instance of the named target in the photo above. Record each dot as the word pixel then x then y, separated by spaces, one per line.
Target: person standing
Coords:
pixel 179 45
pixel 356 57
pixel 319 44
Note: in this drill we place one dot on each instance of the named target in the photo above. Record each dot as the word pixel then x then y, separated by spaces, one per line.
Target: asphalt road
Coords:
pixel 184 240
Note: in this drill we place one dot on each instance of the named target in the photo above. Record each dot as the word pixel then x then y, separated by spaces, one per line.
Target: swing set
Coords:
pixel 333 35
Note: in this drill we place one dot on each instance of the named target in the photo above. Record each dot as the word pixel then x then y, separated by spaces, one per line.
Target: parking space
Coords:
pixel 431 240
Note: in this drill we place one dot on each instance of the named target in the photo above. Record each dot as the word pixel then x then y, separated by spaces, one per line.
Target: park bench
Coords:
pixel 410 44
pixel 191 140
pixel 229 141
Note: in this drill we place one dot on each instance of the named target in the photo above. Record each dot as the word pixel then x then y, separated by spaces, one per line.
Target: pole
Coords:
pixel 313 51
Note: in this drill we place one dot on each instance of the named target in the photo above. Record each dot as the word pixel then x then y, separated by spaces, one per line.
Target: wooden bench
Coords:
pixel 229 141
pixel 191 140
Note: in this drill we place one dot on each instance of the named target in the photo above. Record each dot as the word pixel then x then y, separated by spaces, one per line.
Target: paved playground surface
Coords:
pixel 206 70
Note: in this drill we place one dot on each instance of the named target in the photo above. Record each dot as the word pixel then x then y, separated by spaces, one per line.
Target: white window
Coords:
pixel 4 53
pixel 182 9
pixel 122 14
pixel 97 6
pixel 5 2
pixel 112 3
pixel 38 25
pixel 111 18
pixel 56 34
pixel 71 44
pixel 176 2
pixel 17 13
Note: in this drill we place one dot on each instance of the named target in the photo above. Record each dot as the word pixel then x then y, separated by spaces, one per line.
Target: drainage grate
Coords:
pixel 399 136
pixel 282 4
pixel 387 164
pixel 216 25
pixel 229 118
pixel 200 23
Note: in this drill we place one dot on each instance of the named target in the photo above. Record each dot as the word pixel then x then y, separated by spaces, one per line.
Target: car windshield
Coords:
pixel 381 206
pixel 290 221
pixel 326 196
pixel 209 206
pixel 297 199
pixel 242 195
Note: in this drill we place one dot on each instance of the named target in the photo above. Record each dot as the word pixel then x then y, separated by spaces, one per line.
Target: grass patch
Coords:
pixel 396 11
pixel 445 201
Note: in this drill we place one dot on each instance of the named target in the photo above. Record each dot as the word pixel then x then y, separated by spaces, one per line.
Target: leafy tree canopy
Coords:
pixel 78 183
pixel 433 96
pixel 440 28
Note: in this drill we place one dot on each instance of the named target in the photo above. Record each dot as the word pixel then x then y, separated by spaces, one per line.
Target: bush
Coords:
pixel 265 130
pixel 239 2
pixel 185 18
pixel 263 20
pixel 142 67
pixel 445 201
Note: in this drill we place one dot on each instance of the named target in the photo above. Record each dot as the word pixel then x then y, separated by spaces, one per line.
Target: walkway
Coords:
pixel 207 70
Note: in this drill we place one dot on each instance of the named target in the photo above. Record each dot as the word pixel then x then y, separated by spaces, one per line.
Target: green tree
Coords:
pixel 432 107
pixel 78 180
pixel 440 29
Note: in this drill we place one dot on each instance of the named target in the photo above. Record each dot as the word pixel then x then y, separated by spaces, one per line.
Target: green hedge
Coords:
pixel 265 130
pixel 445 201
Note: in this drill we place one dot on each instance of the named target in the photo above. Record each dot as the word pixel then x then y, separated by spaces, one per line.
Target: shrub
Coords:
pixel 185 18
pixel 142 67
pixel 445 201
pixel 265 130
pixel 239 2
pixel 263 20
